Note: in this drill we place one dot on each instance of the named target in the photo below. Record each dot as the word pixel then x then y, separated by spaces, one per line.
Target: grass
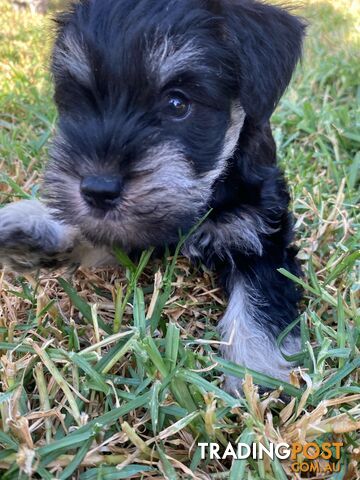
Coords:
pixel 114 374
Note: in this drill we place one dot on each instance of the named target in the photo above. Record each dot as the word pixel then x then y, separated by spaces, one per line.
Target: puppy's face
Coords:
pixel 150 112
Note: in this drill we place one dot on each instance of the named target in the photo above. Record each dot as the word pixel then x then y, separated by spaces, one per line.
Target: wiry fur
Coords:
pixel 242 231
pixel 246 342
pixel 30 237
pixel 115 64
pixel 73 59
pixel 165 59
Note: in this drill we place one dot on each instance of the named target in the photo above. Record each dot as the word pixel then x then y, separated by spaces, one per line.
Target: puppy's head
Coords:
pixel 152 96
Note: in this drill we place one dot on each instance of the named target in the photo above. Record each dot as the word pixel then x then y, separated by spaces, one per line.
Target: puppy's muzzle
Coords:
pixel 101 191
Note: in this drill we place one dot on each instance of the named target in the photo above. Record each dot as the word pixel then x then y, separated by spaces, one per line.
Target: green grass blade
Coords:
pixel 172 345
pixel 139 312
pixel 85 366
pixel 154 406
pixel 167 468
pixel 337 378
pixel 114 473
pixel 83 307
pixel 203 384
pixel 231 368
pixel 76 461
pixel 238 467
pixel 124 260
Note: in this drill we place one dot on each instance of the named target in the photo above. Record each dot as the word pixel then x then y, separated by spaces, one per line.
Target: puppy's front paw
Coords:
pixel 31 238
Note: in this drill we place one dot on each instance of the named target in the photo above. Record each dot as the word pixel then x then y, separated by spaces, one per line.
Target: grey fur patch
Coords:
pixel 71 56
pixel 237 118
pixel 247 344
pixel 166 60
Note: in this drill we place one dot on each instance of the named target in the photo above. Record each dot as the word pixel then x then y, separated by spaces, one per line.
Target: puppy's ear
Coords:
pixel 267 41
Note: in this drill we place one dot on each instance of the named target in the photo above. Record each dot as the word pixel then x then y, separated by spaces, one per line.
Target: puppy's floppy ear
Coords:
pixel 267 41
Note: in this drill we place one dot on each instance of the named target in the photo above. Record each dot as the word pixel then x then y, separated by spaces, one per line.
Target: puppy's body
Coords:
pixel 164 113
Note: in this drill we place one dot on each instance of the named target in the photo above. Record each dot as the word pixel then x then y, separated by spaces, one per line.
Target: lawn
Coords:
pixel 113 374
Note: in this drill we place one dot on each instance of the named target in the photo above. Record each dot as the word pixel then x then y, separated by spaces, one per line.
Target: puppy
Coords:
pixel 164 110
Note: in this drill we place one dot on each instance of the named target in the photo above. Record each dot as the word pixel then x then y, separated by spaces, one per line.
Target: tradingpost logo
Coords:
pixel 309 457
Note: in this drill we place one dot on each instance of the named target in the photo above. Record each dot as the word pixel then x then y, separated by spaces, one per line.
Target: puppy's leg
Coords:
pixel 262 302
pixel 31 238
pixel 255 316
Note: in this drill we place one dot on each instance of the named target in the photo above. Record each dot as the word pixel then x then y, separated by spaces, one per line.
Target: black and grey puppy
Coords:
pixel 164 110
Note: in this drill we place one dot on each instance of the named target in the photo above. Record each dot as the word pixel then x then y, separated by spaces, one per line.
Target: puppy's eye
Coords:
pixel 177 105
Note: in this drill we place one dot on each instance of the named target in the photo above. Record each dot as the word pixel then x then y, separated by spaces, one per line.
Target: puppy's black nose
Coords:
pixel 101 191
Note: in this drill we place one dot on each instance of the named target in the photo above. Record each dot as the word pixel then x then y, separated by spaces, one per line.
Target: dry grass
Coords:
pixel 114 374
